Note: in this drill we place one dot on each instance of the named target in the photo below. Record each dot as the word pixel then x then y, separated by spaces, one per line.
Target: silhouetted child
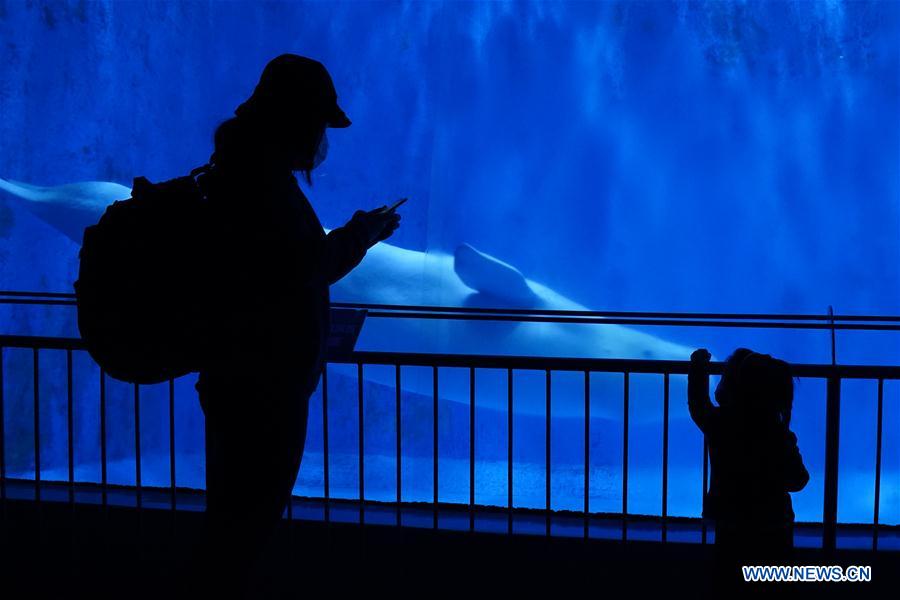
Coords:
pixel 754 458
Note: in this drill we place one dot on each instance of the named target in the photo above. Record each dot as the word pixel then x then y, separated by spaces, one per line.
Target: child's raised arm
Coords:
pixel 699 403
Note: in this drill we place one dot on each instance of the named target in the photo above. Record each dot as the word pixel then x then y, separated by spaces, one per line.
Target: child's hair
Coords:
pixel 758 385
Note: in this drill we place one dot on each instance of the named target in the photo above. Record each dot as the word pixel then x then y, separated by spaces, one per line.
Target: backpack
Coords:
pixel 140 288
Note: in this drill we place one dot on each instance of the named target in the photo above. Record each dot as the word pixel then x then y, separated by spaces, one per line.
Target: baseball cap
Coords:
pixel 292 84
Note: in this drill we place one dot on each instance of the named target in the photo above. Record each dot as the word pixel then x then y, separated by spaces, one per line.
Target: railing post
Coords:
pixel 832 431
pixel 879 425
pixel 37 426
pixel 326 487
pixel 547 450
pixel 471 448
pixel 434 380
pixel 833 336
pixel 70 428
pixel 665 457
pixel 509 450
pixel 587 453
pixel 625 458
pixel 397 398
pixel 361 441
pixel 2 441
pixel 172 481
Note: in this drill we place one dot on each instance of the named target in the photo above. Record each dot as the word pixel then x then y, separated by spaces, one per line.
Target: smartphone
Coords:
pixel 397 204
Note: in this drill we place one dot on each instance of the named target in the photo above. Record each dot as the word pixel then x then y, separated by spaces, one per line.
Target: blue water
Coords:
pixel 678 156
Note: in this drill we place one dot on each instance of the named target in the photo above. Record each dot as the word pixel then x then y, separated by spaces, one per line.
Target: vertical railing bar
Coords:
pixel 626 386
pixel 399 444
pixel 832 454
pixel 362 464
pixel 471 448
pixel 434 379
pixel 665 474
pixel 587 451
pixel 703 488
pixel 509 449
pixel 70 428
pixel 2 437
pixel 70 435
pixel 326 491
pixel 833 336
pixel 547 385
pixel 37 427
pixel 103 467
pixel 173 500
pixel 832 431
pixel 137 445
pixel 290 511
pixel 878 430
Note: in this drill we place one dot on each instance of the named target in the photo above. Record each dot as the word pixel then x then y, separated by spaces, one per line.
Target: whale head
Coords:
pixel 399 276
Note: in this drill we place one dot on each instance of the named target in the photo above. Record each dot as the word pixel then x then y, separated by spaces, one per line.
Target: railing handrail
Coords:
pixel 613 314
pixel 537 363
pixel 587 320
pixel 610 365
pixel 538 314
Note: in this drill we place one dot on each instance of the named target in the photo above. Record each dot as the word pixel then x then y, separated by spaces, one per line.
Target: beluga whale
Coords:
pixel 392 275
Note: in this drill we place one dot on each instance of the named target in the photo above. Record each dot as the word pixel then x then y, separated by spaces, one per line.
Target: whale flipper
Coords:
pixel 491 276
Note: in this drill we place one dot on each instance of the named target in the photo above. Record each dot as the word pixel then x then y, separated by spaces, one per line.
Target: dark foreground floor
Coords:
pixel 83 551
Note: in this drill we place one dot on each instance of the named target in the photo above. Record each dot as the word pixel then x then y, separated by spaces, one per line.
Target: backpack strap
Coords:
pixel 201 170
pixel 198 175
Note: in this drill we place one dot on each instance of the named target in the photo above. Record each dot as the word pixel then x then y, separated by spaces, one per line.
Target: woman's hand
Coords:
pixel 378 224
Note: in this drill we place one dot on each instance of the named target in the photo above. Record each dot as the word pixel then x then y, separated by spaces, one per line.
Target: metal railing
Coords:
pixel 834 374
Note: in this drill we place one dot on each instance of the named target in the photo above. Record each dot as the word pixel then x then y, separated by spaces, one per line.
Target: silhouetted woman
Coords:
pixel 754 458
pixel 272 264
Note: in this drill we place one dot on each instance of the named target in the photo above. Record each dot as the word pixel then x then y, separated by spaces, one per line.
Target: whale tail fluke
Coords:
pixel 21 190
